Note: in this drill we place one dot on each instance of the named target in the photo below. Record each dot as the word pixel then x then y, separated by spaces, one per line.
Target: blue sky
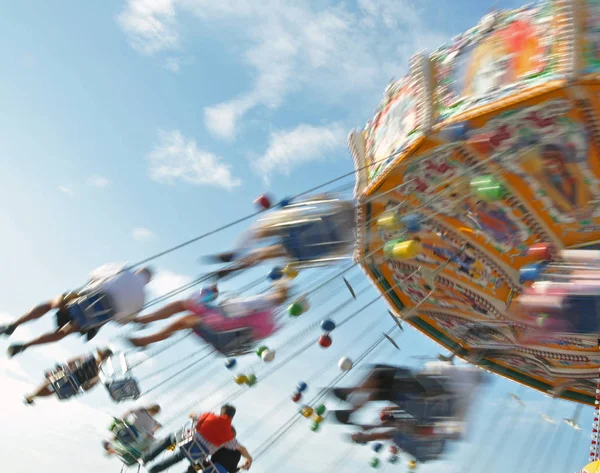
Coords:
pixel 130 126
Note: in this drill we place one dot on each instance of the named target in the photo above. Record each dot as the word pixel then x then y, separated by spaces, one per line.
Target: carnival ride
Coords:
pixel 486 148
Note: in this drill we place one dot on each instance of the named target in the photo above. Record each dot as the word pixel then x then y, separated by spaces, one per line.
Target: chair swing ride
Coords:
pixel 477 214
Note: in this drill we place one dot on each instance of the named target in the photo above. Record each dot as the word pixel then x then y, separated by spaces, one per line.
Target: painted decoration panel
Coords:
pixel 505 53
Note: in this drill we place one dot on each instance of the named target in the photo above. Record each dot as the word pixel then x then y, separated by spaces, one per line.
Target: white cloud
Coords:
pixel 150 25
pixel 221 119
pixel 165 281
pixel 98 181
pixel 173 64
pixel 302 144
pixel 142 234
pixel 177 158
pixel 65 190
pixel 329 49
pixel 14 369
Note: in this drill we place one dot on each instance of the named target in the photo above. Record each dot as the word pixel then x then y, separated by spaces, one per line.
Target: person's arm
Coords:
pixel 246 455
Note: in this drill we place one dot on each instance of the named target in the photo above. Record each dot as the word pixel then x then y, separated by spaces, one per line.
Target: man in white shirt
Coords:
pixel 121 295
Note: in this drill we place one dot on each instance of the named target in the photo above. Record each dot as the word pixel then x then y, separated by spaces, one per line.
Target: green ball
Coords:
pixel 251 380
pixel 374 462
pixel 320 410
pixel 295 309
pixel 314 427
pixel 260 350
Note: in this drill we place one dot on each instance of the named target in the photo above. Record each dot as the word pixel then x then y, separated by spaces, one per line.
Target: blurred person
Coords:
pixel 113 293
pixel 314 229
pixel 85 371
pixel 212 431
pixel 256 313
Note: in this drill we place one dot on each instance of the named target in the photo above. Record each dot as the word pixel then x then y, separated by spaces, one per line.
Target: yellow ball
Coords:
pixel 412 464
pixel 318 419
pixel 241 379
pixel 388 221
pixel 406 249
pixel 307 411
pixel 290 272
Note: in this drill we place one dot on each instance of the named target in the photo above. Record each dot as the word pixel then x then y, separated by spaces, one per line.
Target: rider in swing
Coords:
pixel 118 291
pixel 322 228
pixel 229 314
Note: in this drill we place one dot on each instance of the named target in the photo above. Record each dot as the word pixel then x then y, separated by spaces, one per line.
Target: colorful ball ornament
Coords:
pixel 295 309
pixel 325 341
pixel 303 301
pixel 393 450
pixel 320 409
pixel 328 325
pixel 275 273
pixel 315 426
pixel 345 364
pixel 268 356
pixel 230 363
pixel 285 202
pixel 374 462
pixel 263 201
pixel 290 272
pixel 307 411
pixel 377 446
pixel 261 349
pixel 241 379
pixel 301 387
pixel 393 459
pixel 252 379
pixel 296 397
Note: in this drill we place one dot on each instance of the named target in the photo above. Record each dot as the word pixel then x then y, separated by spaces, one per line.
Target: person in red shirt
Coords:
pixel 212 431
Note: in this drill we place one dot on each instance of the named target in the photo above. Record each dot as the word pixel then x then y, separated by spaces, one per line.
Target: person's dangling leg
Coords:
pixel 44 390
pixel 168 463
pixel 185 323
pixel 34 314
pixel 51 337
pixel 163 313
pixel 375 387
pixel 253 258
pixel 158 448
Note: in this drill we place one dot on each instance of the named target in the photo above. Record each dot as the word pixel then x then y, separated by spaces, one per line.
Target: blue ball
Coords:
pixel 285 202
pixel 301 387
pixel 377 447
pixel 412 222
pixel 275 274
pixel 328 325
pixel 230 363
pixel 531 272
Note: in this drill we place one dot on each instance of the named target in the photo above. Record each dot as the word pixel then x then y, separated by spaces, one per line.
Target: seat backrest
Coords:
pixel 229 343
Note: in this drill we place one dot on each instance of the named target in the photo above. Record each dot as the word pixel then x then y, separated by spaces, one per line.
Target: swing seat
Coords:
pixel 116 376
pixel 194 450
pixel 236 342
pixel 123 389
pixel 314 232
pixel 64 383
pixel 125 433
pixel 91 311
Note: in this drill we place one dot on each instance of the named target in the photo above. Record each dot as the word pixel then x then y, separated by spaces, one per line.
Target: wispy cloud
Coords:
pixel 177 158
pixel 142 234
pixel 65 190
pixel 305 143
pixel 328 48
pixel 173 64
pixel 150 25
pixel 176 63
pixel 165 281
pixel 98 181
